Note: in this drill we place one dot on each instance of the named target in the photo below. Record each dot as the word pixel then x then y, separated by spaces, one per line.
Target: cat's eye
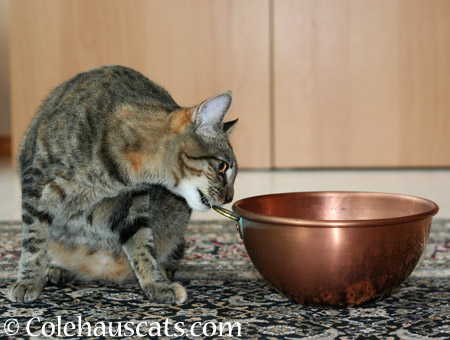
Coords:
pixel 223 166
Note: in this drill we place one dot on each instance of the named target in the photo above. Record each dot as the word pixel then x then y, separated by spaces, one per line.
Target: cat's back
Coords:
pixel 100 90
pixel 75 113
pixel 112 85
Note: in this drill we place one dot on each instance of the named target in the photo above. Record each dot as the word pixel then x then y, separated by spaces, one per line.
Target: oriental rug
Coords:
pixel 227 299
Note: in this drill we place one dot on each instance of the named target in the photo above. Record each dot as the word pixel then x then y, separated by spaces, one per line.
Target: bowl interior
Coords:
pixel 334 206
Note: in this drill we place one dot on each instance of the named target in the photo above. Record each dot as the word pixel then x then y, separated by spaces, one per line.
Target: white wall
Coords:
pixel 5 129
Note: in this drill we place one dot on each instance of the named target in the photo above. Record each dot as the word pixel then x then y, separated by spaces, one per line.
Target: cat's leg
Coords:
pixel 170 214
pixel 140 250
pixel 134 225
pixel 40 198
pixel 33 261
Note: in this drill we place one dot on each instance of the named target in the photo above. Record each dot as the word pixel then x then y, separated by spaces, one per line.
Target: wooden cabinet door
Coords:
pixel 194 48
pixel 361 83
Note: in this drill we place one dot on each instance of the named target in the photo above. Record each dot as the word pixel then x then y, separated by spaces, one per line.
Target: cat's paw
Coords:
pixel 166 293
pixel 24 291
pixel 59 276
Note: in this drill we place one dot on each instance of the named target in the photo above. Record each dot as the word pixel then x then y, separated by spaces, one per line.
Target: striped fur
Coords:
pixel 110 170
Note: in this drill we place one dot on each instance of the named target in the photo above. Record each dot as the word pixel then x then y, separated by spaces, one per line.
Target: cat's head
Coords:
pixel 205 167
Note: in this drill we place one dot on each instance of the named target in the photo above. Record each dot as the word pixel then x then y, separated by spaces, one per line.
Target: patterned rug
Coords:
pixel 227 299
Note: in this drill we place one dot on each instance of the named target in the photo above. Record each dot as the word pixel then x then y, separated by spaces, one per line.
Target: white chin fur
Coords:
pixel 192 196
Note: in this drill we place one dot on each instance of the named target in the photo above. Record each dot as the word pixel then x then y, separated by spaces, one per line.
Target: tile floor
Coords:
pixel 433 184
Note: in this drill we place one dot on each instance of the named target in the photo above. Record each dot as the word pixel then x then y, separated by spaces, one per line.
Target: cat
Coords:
pixel 110 170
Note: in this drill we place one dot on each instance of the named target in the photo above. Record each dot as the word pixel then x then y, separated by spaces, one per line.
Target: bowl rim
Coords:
pixel 253 216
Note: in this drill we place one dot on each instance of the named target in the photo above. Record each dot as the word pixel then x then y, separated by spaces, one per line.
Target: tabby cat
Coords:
pixel 110 169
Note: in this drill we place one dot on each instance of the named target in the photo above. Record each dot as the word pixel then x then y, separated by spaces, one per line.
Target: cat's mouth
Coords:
pixel 204 199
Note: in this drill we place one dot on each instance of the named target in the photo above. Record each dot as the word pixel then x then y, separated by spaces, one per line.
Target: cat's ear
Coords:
pixel 228 126
pixel 208 116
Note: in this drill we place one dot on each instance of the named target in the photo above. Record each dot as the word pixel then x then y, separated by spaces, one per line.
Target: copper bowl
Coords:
pixel 337 249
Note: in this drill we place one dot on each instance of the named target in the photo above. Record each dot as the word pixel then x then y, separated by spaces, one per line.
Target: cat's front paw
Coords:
pixel 24 291
pixel 59 276
pixel 166 293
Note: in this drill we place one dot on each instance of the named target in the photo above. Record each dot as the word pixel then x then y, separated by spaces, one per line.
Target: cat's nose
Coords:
pixel 229 196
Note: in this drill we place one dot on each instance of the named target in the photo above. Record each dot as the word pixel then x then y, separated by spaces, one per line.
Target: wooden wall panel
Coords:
pixel 355 82
pixel 361 83
pixel 194 48
pixel 5 125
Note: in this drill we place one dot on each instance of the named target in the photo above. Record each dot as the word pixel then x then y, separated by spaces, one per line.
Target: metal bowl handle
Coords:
pixel 232 216
pixel 226 213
